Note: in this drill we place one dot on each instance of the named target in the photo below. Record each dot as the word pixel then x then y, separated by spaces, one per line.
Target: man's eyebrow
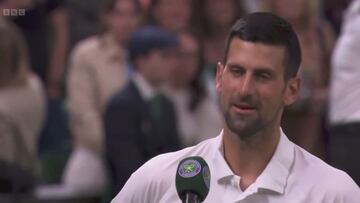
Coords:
pixel 256 69
pixel 234 65
pixel 263 69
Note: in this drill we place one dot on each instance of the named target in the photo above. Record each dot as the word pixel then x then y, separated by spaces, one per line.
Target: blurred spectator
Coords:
pixel 97 70
pixel 83 19
pixel 45 28
pixel 316 40
pixel 198 116
pixel 213 20
pixel 171 15
pixel 252 5
pixel 22 110
pixel 345 96
pixel 334 11
pixel 140 121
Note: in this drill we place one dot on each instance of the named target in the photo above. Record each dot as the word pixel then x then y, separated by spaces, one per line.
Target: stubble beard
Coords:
pixel 245 128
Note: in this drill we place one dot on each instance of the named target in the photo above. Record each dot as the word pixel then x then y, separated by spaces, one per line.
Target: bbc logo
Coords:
pixel 13 12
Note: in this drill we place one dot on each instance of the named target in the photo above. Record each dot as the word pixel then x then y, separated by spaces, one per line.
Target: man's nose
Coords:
pixel 246 85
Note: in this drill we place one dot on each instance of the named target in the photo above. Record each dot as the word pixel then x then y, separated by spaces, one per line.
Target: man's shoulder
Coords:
pixel 323 177
pixel 168 162
pixel 157 176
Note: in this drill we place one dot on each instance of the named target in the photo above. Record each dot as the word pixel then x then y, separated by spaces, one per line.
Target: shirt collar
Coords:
pixel 145 89
pixel 221 169
pixel 275 174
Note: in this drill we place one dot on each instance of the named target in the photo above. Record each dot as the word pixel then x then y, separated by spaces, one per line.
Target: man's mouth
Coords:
pixel 244 108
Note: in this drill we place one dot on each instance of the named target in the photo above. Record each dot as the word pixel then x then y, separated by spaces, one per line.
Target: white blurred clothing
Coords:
pixel 195 126
pixel 22 114
pixel 345 83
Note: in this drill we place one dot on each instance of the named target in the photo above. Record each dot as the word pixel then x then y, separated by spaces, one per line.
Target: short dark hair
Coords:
pixel 267 28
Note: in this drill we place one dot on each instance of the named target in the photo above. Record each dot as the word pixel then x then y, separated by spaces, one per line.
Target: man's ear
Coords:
pixel 219 71
pixel 292 90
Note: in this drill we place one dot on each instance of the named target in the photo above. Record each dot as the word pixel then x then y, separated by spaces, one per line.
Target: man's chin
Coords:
pixel 246 134
pixel 245 130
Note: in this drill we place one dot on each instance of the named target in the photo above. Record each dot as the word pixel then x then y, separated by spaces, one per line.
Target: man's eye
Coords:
pixel 264 76
pixel 237 71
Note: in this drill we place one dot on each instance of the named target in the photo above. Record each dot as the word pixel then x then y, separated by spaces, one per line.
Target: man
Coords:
pixel 139 121
pixel 252 160
pixel 344 103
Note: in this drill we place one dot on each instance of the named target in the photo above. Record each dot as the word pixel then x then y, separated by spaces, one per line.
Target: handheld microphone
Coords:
pixel 192 179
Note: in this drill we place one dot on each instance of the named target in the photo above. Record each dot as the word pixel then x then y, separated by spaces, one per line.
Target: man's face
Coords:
pixel 251 87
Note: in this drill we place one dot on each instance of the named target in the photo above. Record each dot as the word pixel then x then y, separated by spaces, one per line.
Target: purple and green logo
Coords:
pixel 189 168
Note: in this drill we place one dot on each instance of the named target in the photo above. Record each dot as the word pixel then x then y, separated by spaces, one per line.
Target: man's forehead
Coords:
pixel 237 42
pixel 255 52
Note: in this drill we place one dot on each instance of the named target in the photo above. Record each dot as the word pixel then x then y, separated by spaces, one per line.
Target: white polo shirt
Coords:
pixel 292 176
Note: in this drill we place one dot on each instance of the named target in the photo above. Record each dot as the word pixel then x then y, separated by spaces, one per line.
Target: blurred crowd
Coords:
pixel 90 90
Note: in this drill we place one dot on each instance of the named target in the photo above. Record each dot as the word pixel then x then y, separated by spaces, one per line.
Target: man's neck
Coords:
pixel 248 158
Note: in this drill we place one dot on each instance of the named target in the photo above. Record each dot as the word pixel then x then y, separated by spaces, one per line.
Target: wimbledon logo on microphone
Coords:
pixel 189 168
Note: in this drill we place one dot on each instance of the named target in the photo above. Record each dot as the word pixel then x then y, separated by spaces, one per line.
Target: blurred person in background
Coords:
pixel 252 5
pixel 344 115
pixel 44 25
pixel 140 122
pixel 303 120
pixel 213 20
pixel 83 19
pixel 334 12
pixel 171 15
pixel 98 69
pixel 22 112
pixel 198 116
